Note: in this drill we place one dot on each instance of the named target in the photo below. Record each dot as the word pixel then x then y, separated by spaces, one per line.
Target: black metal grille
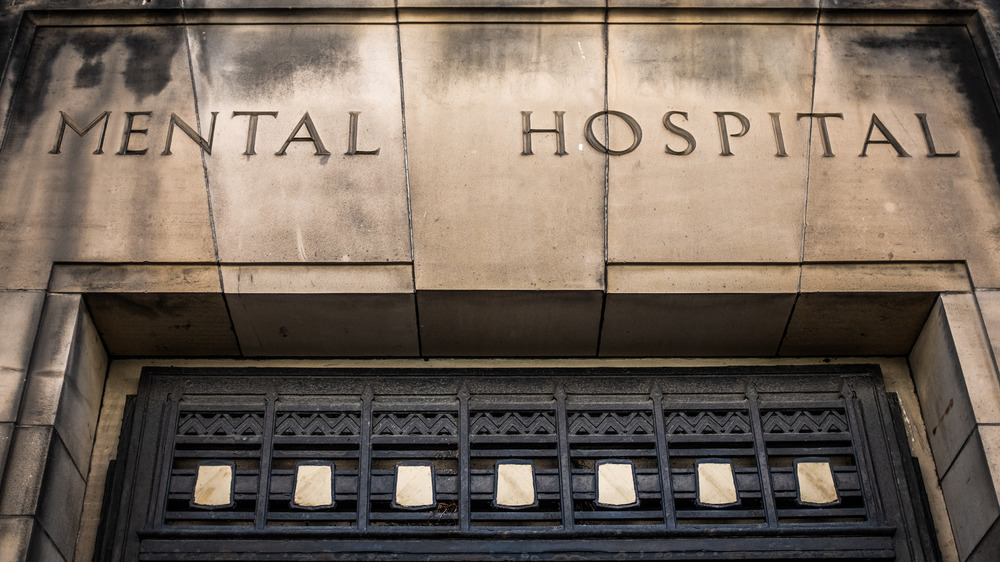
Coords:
pixel 656 425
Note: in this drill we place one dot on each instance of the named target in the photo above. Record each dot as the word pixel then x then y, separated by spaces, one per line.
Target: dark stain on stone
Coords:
pixel 952 50
pixel 266 59
pixel 151 50
pixel 91 47
pixel 31 94
pixel 490 51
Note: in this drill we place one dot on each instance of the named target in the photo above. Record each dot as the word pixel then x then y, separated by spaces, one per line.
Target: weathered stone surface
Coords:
pixel 80 206
pixel 885 207
pixel 323 311
pixel 705 207
pixel 300 207
pixel 954 376
pixel 485 216
pixel 689 325
pixel 968 484
pixel 509 323
pixel 21 311
pixel 159 324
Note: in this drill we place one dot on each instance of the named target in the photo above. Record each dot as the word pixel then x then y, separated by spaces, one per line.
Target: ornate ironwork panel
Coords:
pixel 484 464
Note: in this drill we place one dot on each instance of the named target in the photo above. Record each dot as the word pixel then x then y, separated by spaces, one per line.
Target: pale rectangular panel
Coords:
pixel 716 484
pixel 313 485
pixel 696 205
pixel 616 484
pixel 213 485
pixel 486 216
pixel 816 483
pixel 302 206
pixel 414 486
pixel 936 196
pixel 515 486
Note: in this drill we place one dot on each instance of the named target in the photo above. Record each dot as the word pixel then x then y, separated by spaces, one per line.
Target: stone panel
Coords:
pixel 21 311
pixel 301 207
pixel 703 206
pixel 60 500
pixel 323 311
pixel 827 324
pixel 81 206
pixel 968 484
pixel 66 379
pixel 884 207
pixel 485 216
pixel 637 325
pixel 509 323
pixel 158 324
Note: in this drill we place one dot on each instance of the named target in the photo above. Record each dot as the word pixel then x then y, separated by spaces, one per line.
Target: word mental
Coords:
pixel 731 125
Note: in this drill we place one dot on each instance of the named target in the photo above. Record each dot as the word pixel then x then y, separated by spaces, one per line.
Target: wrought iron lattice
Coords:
pixel 265 465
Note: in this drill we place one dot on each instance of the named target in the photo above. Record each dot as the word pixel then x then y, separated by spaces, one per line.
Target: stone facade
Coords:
pixel 725 182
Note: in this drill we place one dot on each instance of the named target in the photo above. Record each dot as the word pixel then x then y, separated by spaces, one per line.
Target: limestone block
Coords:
pixel 954 376
pixel 486 216
pixel 301 206
pixel 704 206
pixel 19 315
pixel 41 479
pixel 969 484
pixel 158 324
pixel 124 204
pixel 697 310
pixel 509 323
pixel 858 323
pixel 22 538
pixel 323 311
pixel 899 201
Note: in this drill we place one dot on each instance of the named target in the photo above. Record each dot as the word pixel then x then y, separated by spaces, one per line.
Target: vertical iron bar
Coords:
pixel 364 459
pixel 168 432
pixel 763 468
pixel 565 466
pixel 464 499
pixel 264 466
pixel 663 459
pixel 858 441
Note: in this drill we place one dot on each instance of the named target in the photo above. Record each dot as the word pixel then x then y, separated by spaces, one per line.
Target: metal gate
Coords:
pixel 256 464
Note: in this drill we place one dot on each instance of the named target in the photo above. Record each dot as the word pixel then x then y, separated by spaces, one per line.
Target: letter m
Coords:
pixel 79 130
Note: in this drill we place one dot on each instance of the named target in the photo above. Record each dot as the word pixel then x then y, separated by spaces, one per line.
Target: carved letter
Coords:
pixel 931 151
pixel 313 137
pixel 252 130
pixel 683 133
pixel 588 130
pixel 205 145
pixel 67 120
pixel 889 139
pixel 129 131
pixel 352 138
pixel 824 133
pixel 779 140
pixel 526 131
pixel 724 131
